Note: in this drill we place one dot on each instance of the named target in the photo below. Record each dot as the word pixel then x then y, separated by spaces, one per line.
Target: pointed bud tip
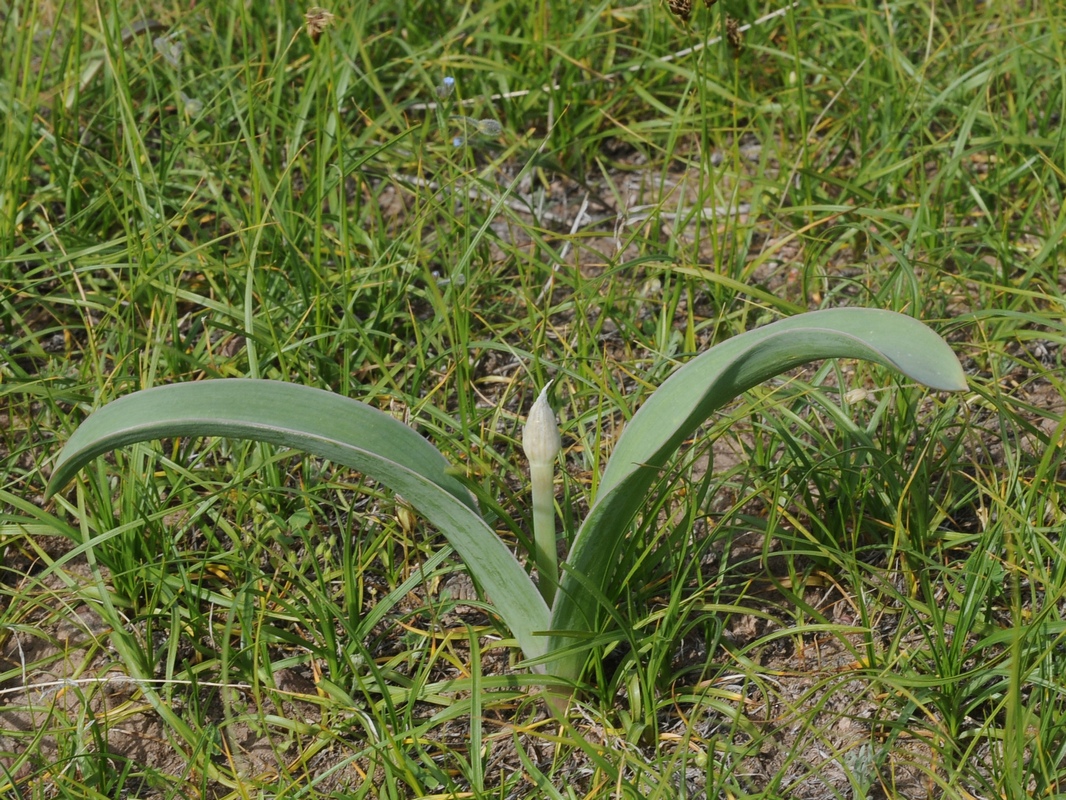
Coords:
pixel 540 437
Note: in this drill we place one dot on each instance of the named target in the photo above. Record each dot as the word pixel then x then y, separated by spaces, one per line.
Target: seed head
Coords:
pixel 318 19
pixel 680 8
pixel 734 34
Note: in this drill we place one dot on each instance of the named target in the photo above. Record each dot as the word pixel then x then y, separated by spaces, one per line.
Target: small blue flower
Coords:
pixel 458 141
pixel 446 87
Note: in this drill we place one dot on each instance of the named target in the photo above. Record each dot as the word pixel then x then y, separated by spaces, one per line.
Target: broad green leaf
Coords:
pixel 696 391
pixel 342 430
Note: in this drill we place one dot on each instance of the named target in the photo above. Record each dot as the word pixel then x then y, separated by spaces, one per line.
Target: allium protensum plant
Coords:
pixel 354 434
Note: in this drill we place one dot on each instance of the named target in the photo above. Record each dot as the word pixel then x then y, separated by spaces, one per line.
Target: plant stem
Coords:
pixel 544 544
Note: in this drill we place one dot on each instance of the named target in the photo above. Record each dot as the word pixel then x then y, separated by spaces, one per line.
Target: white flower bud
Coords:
pixel 540 437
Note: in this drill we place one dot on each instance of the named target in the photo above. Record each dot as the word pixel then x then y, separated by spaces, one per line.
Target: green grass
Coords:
pixel 863 598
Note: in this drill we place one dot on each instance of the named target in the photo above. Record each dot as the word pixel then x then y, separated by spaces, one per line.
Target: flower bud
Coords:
pixel 540 437
pixel 489 127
